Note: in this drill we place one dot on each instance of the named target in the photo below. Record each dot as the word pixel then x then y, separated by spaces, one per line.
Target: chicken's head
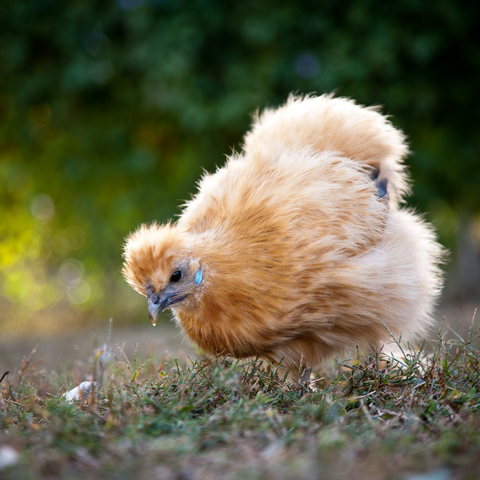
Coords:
pixel 160 266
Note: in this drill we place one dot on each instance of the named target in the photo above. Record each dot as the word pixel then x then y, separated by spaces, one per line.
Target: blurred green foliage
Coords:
pixel 110 110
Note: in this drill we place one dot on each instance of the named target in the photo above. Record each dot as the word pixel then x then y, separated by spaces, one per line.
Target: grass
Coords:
pixel 418 418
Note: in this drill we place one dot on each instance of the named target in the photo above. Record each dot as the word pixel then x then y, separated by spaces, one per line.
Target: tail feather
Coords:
pixel 328 124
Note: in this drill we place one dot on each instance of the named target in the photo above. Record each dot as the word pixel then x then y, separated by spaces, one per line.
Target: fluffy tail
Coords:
pixel 327 124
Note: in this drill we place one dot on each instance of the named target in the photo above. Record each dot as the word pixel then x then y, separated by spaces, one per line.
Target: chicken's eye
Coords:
pixel 177 276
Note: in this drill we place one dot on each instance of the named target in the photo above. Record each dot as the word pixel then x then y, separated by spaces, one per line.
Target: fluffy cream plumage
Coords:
pixel 297 254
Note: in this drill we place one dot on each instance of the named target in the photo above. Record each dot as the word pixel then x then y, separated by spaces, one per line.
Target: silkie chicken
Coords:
pixel 297 249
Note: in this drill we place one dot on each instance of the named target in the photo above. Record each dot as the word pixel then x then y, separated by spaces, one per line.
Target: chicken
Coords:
pixel 296 249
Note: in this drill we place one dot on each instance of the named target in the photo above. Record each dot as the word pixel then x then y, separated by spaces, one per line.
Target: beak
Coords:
pixel 155 309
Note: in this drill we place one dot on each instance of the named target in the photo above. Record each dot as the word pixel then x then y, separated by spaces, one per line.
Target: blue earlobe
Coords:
pixel 198 277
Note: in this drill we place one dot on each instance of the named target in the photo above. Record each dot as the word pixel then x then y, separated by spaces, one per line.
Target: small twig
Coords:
pixel 4 375
pixel 456 334
pixel 11 393
pixel 395 340
pixel 440 339
pixel 412 399
pixel 109 334
pixel 315 380
pixel 402 398
pixel 93 410
pixel 127 362
pixel 300 368
pixel 160 368
pixel 135 358
pixel 453 359
pixel 367 414
pixel 26 363
pixel 471 325
pixel 363 396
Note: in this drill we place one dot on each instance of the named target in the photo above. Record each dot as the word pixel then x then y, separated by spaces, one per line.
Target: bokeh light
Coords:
pixel 70 272
pixel 307 66
pixel 79 293
pixel 43 209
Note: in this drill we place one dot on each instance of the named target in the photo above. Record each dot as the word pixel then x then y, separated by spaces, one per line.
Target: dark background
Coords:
pixel 109 111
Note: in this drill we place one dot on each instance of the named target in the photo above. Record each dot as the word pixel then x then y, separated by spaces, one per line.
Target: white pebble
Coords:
pixel 79 392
